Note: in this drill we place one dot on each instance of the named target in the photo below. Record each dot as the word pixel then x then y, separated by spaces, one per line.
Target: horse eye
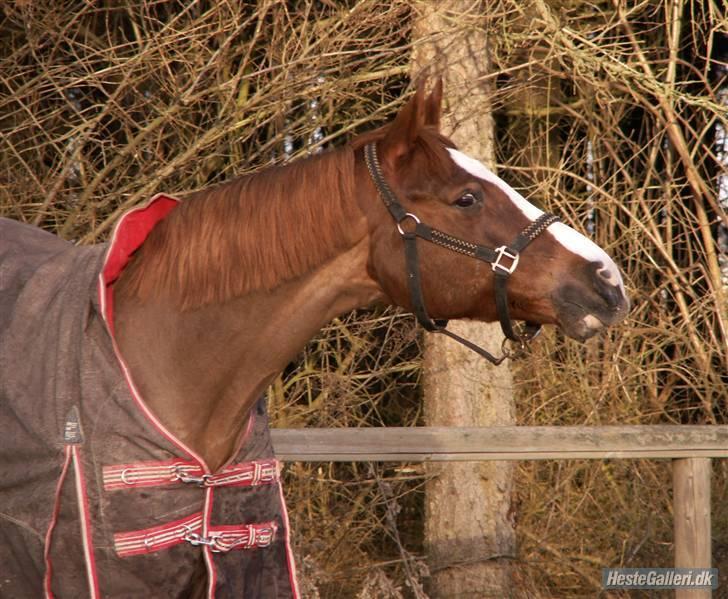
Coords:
pixel 466 200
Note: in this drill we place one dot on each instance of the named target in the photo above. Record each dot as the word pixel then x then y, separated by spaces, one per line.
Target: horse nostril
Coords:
pixel 606 274
pixel 608 287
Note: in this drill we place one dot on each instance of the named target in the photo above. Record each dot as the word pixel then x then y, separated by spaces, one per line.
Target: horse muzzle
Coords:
pixel 583 309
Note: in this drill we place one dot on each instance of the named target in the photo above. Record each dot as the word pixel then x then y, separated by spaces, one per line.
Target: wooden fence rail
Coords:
pixel 690 447
pixel 418 444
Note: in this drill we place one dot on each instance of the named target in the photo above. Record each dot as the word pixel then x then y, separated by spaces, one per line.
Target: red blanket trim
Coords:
pixel 85 517
pixel 52 524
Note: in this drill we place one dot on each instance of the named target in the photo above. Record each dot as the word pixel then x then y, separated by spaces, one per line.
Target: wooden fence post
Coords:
pixel 691 496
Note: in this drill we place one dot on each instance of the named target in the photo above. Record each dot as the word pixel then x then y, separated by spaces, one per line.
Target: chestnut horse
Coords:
pixel 227 290
pixel 223 290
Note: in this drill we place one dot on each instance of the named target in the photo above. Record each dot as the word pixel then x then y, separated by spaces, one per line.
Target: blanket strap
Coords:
pixel 220 539
pixel 170 472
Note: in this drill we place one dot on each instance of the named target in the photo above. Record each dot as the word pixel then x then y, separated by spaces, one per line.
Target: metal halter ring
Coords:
pixel 410 215
pixel 517 348
pixel 514 349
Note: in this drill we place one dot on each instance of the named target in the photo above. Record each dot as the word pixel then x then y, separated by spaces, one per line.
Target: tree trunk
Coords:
pixel 469 529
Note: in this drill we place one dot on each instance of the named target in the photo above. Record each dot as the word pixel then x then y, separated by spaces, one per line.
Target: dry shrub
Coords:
pixel 104 104
pixel 608 113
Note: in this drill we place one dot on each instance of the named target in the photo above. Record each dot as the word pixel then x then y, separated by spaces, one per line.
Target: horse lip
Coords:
pixel 579 329
pixel 614 314
pixel 610 317
pixel 580 323
pixel 582 317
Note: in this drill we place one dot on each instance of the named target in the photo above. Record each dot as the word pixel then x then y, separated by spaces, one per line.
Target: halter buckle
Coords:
pixel 501 252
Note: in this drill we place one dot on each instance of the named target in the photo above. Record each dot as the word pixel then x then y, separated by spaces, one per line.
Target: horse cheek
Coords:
pixel 387 267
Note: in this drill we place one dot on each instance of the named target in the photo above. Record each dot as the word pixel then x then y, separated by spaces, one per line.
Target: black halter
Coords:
pixel 503 261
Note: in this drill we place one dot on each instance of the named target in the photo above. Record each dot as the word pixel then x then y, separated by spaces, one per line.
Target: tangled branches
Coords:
pixel 611 113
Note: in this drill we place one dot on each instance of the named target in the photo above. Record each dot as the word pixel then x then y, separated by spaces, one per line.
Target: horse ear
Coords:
pixel 433 105
pixel 406 126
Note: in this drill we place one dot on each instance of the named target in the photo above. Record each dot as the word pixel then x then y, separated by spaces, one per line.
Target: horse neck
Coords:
pixel 201 370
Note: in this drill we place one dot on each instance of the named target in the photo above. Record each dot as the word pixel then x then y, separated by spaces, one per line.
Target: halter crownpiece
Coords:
pixel 503 261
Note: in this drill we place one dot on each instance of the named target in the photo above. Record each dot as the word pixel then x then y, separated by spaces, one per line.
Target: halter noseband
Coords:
pixel 503 261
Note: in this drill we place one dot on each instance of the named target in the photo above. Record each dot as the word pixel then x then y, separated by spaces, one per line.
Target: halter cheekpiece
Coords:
pixel 503 261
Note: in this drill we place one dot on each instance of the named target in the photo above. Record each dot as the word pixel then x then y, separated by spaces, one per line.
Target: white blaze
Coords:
pixel 571 239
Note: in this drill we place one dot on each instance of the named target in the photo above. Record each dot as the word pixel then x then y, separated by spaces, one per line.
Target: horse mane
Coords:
pixel 251 233
pixel 260 230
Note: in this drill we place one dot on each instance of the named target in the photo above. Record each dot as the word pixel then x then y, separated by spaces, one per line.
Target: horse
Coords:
pixel 137 458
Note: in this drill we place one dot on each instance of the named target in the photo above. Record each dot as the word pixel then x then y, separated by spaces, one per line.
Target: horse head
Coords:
pixel 473 220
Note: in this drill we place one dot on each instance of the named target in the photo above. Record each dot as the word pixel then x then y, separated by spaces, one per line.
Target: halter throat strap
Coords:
pixel 503 261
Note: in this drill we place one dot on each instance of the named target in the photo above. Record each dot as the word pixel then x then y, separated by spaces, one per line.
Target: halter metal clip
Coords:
pixel 503 251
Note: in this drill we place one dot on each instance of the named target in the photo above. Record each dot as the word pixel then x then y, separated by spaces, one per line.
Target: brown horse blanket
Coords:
pixel 97 498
